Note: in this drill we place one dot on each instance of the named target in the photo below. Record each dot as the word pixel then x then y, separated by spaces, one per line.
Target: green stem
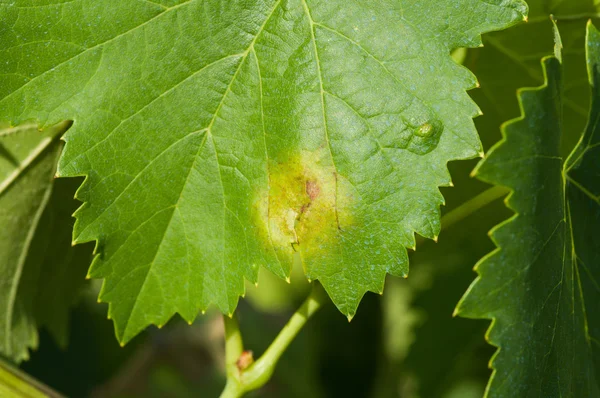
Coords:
pixel 234 345
pixel 469 207
pixel 472 205
pixel 257 374
pixel 233 389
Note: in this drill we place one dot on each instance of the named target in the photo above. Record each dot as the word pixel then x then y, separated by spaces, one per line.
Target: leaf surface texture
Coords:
pixel 220 136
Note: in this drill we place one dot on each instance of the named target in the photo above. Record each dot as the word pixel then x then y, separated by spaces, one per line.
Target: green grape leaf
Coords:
pixel 217 137
pixel 540 286
pixel 40 273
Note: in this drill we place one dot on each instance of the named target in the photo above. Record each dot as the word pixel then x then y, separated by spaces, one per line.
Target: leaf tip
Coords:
pixel 288 280
pixel 435 238
pixel 558 45
pixel 456 312
pixel 350 317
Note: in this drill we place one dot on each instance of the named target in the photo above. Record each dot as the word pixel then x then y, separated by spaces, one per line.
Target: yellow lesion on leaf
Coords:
pixel 302 209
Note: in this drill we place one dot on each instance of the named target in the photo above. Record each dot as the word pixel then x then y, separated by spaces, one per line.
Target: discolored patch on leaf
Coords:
pixel 303 204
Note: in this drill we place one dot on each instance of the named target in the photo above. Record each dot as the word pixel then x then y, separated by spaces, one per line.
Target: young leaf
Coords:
pixel 217 137
pixel 540 285
pixel 40 273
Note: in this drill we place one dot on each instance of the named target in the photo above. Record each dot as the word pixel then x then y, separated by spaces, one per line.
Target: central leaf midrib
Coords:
pixel 322 94
pixel 212 121
pixel 264 131
pixel 243 55
pixel 196 156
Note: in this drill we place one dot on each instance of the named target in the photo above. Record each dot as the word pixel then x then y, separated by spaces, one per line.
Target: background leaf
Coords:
pixel 40 273
pixel 538 293
pixel 508 62
pixel 216 139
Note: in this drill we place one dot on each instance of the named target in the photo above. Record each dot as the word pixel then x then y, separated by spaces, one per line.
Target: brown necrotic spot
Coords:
pixel 312 189
pixel 298 210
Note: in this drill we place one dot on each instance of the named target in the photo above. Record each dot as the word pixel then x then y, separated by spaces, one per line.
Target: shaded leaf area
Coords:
pixel 218 137
pixel 508 62
pixel 539 286
pixel 500 72
pixel 103 358
pixel 40 273
pixel 450 352
pixel 505 63
pixel 429 352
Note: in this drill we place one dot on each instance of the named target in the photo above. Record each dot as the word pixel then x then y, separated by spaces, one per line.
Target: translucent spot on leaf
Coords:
pixel 425 130
pixel 416 130
pixel 425 137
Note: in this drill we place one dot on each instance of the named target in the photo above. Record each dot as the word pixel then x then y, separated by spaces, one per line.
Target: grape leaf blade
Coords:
pixel 217 139
pixel 539 287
